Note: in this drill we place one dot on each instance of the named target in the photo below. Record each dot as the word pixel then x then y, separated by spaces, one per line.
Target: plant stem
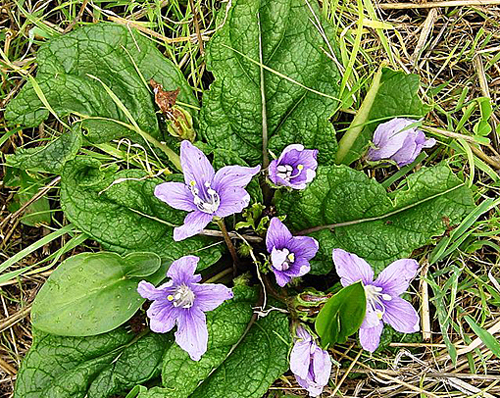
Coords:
pixel 359 120
pixel 230 246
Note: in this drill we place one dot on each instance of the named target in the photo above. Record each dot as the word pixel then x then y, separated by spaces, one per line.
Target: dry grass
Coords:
pixel 455 51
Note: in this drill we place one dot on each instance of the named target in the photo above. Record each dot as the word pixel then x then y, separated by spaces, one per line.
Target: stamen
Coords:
pixel 374 297
pixel 285 171
pixel 183 297
pixel 209 206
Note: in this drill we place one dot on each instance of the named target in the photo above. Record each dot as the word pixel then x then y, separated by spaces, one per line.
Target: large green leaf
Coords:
pixel 49 158
pixel 93 293
pixel 342 315
pixel 256 362
pixel 290 97
pixel 254 365
pixel 225 325
pixel 119 210
pixel 343 208
pixel 394 94
pixel 89 367
pixel 122 59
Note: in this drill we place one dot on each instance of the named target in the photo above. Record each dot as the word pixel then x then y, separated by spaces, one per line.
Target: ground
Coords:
pixel 456 53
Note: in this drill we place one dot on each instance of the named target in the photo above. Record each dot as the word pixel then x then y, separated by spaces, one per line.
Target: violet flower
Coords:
pixel 183 302
pixel 204 193
pixel 396 141
pixel 295 168
pixel 309 363
pixel 290 255
pixel 383 304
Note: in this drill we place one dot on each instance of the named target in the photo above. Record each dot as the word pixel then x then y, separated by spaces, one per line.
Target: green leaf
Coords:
pixel 342 315
pixel 49 158
pixel 254 365
pixel 93 293
pixel 94 367
pixel 38 212
pixel 486 337
pixel 343 208
pixel 119 210
pixel 225 325
pixel 121 58
pixel 276 77
pixel 395 95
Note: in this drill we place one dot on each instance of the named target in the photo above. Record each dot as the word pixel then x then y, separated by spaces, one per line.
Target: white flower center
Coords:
pixel 183 297
pixel 285 171
pixel 289 259
pixel 208 205
pixel 374 297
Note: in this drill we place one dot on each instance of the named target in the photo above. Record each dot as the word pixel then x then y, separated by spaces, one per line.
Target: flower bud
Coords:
pixel 396 140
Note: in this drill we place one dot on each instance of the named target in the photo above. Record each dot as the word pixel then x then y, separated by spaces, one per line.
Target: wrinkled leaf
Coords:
pixel 89 367
pixel 225 325
pixel 119 210
pixel 254 365
pixel 375 225
pixel 119 57
pixel 49 158
pixel 93 293
pixel 397 96
pixel 294 42
pixel 342 315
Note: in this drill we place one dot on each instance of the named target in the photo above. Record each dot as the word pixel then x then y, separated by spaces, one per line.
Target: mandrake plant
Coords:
pixel 255 242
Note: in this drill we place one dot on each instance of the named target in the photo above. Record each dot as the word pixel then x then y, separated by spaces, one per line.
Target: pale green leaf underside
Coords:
pixel 381 227
pixel 232 114
pixel 125 216
pixel 89 367
pixel 121 58
pixel 93 293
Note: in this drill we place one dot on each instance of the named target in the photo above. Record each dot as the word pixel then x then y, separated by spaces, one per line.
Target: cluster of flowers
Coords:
pixel 207 195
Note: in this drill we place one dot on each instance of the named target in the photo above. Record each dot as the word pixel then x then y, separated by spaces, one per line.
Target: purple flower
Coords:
pixel 295 167
pixel 290 255
pixel 383 304
pixel 182 302
pixel 396 141
pixel 310 364
pixel 204 193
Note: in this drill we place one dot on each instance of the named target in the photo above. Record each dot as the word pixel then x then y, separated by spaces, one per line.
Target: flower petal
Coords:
pixel 371 317
pixel 351 268
pixel 290 154
pixel 192 332
pixel 370 337
pixel 148 291
pixel 208 296
pixel 300 358
pixel 162 315
pixel 235 176
pixel 401 315
pixel 193 224
pixel 303 247
pixel 322 366
pixel 195 165
pixel 278 235
pixel 312 388
pixel 408 152
pixel 395 279
pixel 182 270
pixel 389 138
pixel 278 257
pixel 281 278
pixel 175 194
pixel 232 201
